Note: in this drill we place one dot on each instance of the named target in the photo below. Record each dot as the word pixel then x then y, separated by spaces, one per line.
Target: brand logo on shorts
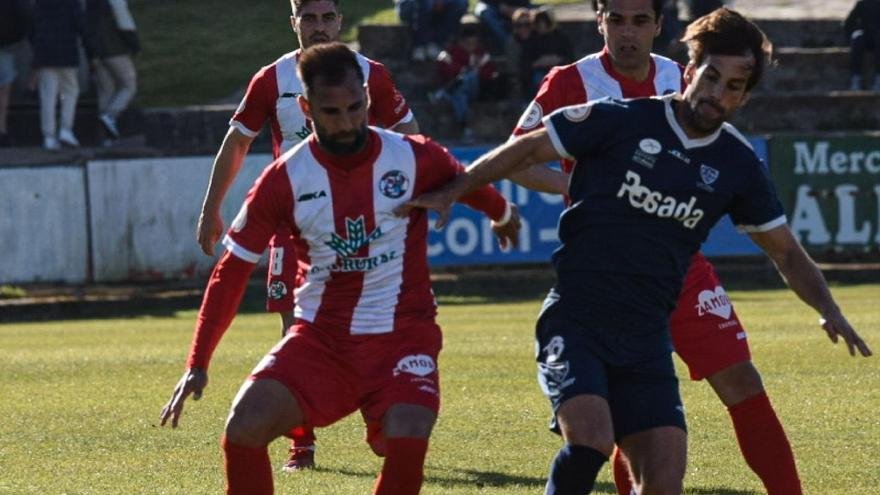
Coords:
pixel 394 184
pixel 267 362
pixel 552 371
pixel 416 364
pixel 532 116
pixel 715 302
pixel 277 290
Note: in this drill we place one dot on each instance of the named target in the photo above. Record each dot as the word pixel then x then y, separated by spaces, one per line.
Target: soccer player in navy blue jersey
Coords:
pixel 653 176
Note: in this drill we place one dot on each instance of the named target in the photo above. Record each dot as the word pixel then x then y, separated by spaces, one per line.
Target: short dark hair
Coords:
pixel 297 5
pixel 727 32
pixel 332 62
pixel 601 5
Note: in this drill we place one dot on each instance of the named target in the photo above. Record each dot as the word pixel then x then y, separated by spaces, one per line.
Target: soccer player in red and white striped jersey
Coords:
pixel 271 98
pixel 365 336
pixel 706 332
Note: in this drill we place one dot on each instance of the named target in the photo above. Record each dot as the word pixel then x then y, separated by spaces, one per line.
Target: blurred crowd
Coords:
pixel 65 43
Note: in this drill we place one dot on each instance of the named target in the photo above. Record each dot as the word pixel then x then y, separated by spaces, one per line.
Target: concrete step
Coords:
pixel 810 69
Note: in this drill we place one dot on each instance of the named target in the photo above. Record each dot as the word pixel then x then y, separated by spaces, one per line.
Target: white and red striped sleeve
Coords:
pixel 258 104
pixel 561 87
pixel 269 203
pixel 388 107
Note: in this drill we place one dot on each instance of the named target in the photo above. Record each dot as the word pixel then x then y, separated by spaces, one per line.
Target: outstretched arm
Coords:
pixel 542 178
pixel 806 280
pixel 513 156
pixel 226 167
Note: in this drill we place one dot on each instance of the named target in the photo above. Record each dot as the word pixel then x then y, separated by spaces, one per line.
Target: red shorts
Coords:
pixel 281 276
pixel 333 373
pixel 706 332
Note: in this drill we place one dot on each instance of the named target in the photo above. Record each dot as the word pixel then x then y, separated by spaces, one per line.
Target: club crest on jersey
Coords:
pixel 714 302
pixel 277 290
pixel 708 174
pixel 393 184
pixel 416 364
pixel 356 233
pixel 577 113
pixel 532 116
pixel 655 203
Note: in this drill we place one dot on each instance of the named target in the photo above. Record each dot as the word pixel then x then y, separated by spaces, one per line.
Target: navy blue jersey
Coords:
pixel 643 199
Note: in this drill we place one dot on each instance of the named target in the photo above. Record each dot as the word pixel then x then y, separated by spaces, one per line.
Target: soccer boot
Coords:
pixel 300 458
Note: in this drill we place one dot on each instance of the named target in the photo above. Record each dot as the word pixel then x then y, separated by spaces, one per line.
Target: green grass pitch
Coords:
pixel 80 402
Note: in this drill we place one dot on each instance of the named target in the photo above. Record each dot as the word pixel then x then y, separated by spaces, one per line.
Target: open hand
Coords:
pixel 193 381
pixel 835 325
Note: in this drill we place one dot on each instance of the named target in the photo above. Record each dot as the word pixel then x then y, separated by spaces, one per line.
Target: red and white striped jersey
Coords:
pixel 360 268
pixel 591 78
pixel 273 91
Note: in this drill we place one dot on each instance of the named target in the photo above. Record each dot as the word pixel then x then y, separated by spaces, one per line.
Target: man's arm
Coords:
pixel 806 280
pixel 542 178
pixel 513 156
pixel 226 167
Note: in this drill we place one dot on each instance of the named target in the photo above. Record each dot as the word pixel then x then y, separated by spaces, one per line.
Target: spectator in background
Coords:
pixel 521 22
pixel 14 22
pixel 58 27
pixel 862 27
pixel 465 71
pixel 699 8
pixel 116 41
pixel 432 24
pixel 496 16
pixel 547 49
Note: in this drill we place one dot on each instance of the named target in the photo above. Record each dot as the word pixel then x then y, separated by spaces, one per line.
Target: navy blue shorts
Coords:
pixel 641 396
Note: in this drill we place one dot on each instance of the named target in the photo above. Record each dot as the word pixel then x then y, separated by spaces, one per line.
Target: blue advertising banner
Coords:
pixel 468 238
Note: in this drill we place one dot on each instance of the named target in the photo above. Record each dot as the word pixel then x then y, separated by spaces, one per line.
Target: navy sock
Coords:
pixel 574 470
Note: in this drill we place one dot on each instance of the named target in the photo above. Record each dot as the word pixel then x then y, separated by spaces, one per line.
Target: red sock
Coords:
pixel 764 445
pixel 622 479
pixel 248 471
pixel 404 467
pixel 303 436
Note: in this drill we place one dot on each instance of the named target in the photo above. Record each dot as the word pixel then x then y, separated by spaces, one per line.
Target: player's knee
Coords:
pixel 245 432
pixel 409 420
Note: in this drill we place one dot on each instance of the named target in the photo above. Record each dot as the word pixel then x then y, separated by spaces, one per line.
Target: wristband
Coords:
pixel 508 213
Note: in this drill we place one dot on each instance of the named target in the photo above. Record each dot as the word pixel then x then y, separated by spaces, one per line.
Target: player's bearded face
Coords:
pixel 339 116
pixel 717 90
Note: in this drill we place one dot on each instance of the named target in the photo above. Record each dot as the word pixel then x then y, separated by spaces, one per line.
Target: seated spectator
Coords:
pixel 14 22
pixel 116 42
pixel 465 72
pixel 547 49
pixel 496 16
pixel 432 24
pixel 514 52
pixel 58 26
pixel 862 27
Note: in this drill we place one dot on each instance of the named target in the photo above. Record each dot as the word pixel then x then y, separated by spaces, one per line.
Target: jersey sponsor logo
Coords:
pixel 310 196
pixel 714 302
pixel 655 203
pixel 532 116
pixel 356 264
pixel 241 219
pixel 393 184
pixel 277 290
pixel 650 146
pixel 356 237
pixel 415 364
pixel 577 113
